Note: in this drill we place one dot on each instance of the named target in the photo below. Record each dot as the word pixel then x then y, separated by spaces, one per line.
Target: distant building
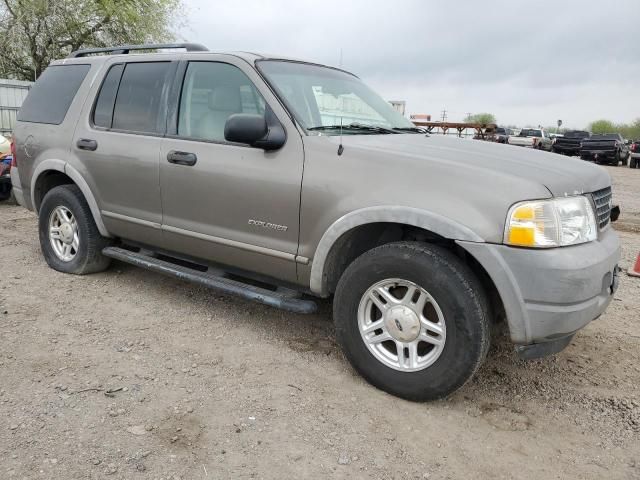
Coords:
pixel 399 105
pixel 420 117
pixel 12 94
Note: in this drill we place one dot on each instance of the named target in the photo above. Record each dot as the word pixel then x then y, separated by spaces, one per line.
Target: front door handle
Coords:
pixel 182 158
pixel 87 144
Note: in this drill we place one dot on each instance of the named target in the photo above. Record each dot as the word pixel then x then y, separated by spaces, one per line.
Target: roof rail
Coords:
pixel 124 49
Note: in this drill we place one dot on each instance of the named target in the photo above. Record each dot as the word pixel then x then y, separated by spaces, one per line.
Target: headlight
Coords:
pixel 551 223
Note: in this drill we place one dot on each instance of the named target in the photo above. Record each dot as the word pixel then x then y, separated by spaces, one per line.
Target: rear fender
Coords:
pixel 64 167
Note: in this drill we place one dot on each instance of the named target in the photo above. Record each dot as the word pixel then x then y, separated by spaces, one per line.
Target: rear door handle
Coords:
pixel 182 158
pixel 87 144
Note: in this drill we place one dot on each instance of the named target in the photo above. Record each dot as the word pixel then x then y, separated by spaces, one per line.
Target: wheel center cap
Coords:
pixel 66 232
pixel 402 323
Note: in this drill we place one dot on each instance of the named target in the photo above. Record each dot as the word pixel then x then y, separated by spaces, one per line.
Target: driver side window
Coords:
pixel 211 93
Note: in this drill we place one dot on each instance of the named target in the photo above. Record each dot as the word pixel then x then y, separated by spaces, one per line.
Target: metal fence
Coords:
pixel 12 94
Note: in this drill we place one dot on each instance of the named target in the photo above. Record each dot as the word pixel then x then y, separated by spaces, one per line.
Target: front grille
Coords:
pixel 602 199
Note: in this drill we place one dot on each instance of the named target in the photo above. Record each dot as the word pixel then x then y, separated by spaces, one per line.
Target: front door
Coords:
pixel 229 203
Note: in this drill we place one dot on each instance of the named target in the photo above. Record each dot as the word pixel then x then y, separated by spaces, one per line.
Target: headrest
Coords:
pixel 225 98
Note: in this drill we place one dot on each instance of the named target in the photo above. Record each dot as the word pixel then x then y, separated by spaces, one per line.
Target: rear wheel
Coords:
pixel 412 320
pixel 69 238
pixel 616 159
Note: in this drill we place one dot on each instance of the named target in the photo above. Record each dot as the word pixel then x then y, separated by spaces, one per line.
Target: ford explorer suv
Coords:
pixel 531 138
pixel 283 181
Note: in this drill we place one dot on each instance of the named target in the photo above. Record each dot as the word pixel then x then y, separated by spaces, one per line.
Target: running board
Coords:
pixel 214 279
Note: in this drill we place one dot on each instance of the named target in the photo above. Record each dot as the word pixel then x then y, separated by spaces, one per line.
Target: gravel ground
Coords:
pixel 131 375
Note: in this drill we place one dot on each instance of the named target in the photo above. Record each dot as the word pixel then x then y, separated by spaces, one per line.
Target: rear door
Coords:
pixel 234 204
pixel 118 143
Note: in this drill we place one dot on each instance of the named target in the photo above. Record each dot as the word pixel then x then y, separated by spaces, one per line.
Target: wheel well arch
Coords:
pixel 47 180
pixel 52 173
pixel 363 237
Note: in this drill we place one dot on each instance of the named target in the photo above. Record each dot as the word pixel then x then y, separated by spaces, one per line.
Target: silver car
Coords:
pixel 282 181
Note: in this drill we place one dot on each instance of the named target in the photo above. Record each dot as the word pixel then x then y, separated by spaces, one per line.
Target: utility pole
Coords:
pixel 444 115
pixel 468 117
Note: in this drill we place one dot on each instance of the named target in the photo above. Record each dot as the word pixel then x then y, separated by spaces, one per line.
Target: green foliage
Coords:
pixel 602 126
pixel 483 118
pixel 629 131
pixel 35 32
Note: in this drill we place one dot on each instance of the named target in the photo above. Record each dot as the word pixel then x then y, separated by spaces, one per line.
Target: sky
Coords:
pixel 528 62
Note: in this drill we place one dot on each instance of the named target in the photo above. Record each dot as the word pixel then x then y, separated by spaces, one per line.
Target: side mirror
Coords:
pixel 259 131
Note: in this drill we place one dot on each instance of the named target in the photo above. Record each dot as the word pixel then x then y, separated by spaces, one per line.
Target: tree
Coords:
pixel 482 118
pixel 602 126
pixel 35 32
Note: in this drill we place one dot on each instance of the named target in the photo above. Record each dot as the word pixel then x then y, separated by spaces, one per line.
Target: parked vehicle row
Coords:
pixel 608 148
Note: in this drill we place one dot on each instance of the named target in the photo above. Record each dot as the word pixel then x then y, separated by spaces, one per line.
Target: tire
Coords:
pixel 88 256
pixel 463 310
pixel 633 162
pixel 616 159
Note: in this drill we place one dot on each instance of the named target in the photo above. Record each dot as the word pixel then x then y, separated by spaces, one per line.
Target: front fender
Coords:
pixel 443 226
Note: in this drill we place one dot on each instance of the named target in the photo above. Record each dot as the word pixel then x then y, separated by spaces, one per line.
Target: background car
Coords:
pixel 502 135
pixel 608 148
pixel 536 138
pixel 569 143
pixel 634 154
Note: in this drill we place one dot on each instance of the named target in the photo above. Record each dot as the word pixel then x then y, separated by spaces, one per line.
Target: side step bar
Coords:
pixel 279 298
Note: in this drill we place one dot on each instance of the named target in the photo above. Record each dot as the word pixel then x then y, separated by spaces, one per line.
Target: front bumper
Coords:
pixel 549 294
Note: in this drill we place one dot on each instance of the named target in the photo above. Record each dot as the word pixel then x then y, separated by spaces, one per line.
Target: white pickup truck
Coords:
pixel 533 138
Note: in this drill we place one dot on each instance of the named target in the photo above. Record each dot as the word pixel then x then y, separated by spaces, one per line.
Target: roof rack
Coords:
pixel 124 49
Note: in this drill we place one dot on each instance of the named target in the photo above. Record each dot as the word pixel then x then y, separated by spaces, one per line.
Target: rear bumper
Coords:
pixel 550 294
pixel 566 149
pixel 17 187
pixel 607 154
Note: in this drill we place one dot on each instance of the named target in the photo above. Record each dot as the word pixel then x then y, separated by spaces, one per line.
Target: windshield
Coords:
pixel 323 98
pixel 528 132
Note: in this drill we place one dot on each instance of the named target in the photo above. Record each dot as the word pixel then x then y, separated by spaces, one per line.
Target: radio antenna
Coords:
pixel 340 147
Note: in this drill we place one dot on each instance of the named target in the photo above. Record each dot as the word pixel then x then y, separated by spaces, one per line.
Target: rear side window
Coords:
pixel 139 102
pixel 103 112
pixel 51 96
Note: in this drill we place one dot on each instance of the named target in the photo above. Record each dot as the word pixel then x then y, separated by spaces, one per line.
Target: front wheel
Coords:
pixel 69 238
pixel 412 319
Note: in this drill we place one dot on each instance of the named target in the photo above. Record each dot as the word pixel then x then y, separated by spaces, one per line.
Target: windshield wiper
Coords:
pixel 353 126
pixel 410 129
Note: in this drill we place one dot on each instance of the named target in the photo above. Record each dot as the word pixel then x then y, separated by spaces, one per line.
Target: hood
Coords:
pixel 559 174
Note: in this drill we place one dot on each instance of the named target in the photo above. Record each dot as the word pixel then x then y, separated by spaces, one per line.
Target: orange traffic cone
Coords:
pixel 635 270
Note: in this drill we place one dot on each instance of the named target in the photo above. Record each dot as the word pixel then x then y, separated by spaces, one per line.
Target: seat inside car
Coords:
pixel 224 101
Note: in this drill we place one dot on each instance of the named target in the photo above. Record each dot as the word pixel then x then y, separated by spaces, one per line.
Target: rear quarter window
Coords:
pixel 51 96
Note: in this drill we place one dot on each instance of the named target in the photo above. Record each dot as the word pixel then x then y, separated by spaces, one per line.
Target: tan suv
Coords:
pixel 280 181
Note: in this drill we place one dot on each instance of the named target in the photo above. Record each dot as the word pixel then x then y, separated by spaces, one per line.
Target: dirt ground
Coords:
pixel 130 375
